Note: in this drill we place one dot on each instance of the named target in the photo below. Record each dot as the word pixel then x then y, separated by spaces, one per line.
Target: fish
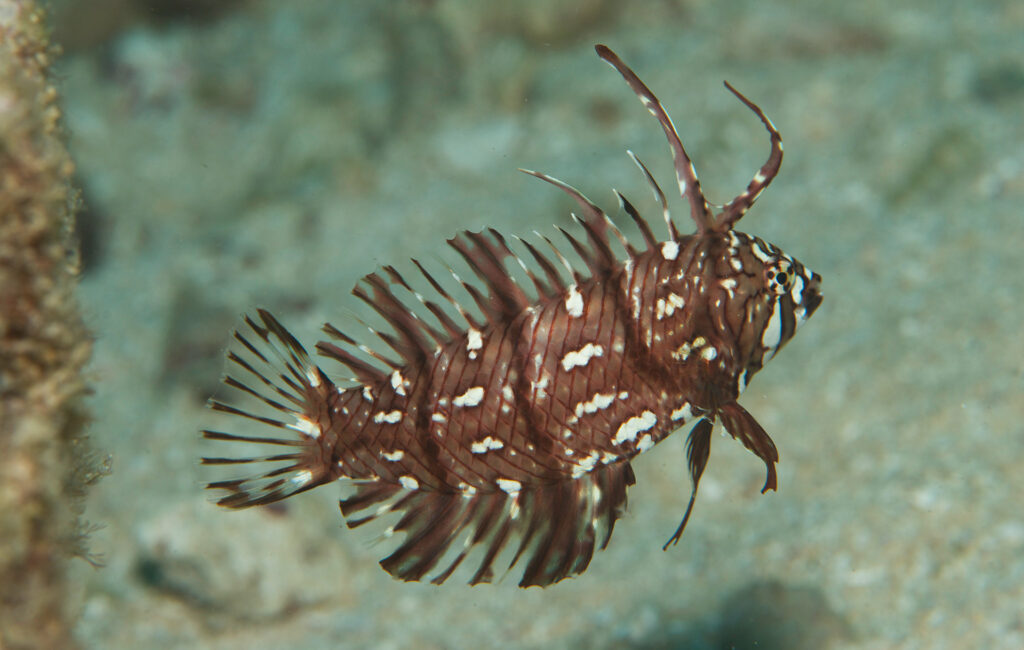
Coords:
pixel 500 436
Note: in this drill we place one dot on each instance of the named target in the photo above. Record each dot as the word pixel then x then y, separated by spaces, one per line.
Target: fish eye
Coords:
pixel 779 277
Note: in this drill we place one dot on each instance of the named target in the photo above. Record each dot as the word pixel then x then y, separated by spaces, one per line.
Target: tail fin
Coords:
pixel 275 370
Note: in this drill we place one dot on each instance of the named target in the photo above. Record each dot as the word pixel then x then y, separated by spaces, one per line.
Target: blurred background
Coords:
pixel 244 153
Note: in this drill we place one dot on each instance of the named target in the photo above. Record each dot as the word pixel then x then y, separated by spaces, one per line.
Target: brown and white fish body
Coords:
pixel 512 426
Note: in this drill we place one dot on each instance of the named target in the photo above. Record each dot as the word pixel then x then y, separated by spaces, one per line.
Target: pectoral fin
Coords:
pixel 741 425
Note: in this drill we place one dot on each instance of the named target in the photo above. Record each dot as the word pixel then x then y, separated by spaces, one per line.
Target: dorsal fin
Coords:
pixel 604 259
pixel 666 214
pixel 412 343
pixel 364 372
pixel 550 272
pixel 735 209
pixel 384 336
pixel 640 222
pixel 543 289
pixel 486 257
pixel 599 257
pixel 618 235
pixel 397 278
pixel 436 286
pixel 576 276
pixel 487 305
pixel 689 185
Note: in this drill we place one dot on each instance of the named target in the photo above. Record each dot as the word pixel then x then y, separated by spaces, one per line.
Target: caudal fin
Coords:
pixel 275 374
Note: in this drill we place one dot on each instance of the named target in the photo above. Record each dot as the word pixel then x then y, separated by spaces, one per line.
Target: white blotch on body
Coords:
pixel 539 388
pixel 393 456
pixel 682 353
pixel 668 306
pixel 684 413
pixel 772 334
pixel 367 394
pixel 594 404
pixel 398 382
pixel 474 341
pixel 709 353
pixel 669 250
pixel 391 417
pixel 635 425
pixel 408 482
pixel 585 465
pixel 509 486
pixel 485 445
pixel 645 442
pixel 471 397
pixel 439 417
pixel 574 302
pixel 760 254
pixel 673 302
pixel 582 356
pixel 729 284
pixel 796 292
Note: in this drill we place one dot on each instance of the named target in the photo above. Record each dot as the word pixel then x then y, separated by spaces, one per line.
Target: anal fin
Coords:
pixel 553 528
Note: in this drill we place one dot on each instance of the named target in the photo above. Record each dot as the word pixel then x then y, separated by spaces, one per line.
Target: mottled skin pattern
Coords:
pixel 520 426
pixel 529 397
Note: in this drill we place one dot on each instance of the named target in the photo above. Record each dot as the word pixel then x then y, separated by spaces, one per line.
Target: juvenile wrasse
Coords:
pixel 511 425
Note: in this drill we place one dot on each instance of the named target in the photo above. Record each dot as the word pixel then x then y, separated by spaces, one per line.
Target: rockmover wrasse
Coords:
pixel 502 433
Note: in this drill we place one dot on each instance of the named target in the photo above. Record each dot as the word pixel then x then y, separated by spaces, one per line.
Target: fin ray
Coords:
pixel 556 525
pixel 281 367
pixel 689 185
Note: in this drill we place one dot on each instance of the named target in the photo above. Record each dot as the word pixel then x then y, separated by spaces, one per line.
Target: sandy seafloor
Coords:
pixel 272 155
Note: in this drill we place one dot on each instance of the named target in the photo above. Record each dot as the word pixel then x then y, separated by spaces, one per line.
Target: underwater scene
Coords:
pixel 235 157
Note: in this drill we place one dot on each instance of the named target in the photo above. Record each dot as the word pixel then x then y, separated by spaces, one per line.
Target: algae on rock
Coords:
pixel 45 460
